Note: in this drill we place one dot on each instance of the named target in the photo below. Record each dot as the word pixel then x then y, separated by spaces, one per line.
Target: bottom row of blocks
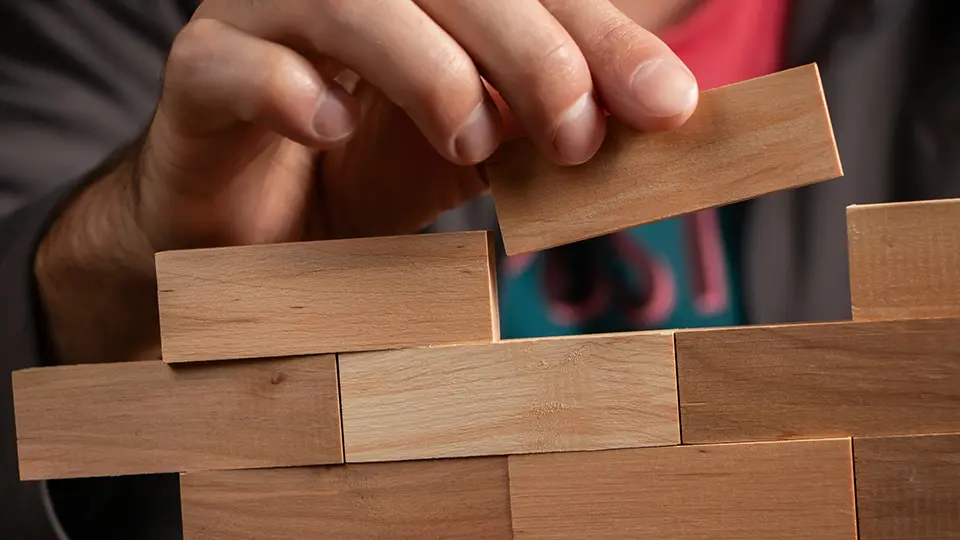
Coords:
pixel 906 487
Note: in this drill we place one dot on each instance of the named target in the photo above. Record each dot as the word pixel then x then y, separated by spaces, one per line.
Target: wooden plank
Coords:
pixel 148 417
pixel 425 500
pixel 516 396
pixel 908 488
pixel 744 140
pixel 904 260
pixel 819 380
pixel 324 297
pixel 793 490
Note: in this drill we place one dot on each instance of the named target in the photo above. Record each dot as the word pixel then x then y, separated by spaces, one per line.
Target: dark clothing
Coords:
pixel 80 78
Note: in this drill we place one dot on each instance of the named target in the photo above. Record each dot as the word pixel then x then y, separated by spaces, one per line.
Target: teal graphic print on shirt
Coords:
pixel 676 273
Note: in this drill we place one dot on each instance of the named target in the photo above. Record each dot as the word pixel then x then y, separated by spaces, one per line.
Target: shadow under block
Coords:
pixel 905 260
pixel 329 296
pixel 416 500
pixel 786 490
pixel 509 397
pixel 908 488
pixel 744 140
pixel 148 417
pixel 819 380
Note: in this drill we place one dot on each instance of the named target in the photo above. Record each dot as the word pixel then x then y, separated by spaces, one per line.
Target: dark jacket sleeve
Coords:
pixel 79 80
pixel 24 506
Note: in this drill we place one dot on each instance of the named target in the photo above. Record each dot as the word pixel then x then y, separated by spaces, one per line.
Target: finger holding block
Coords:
pixel 744 140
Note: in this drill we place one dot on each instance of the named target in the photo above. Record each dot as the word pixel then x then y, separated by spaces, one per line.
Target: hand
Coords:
pixel 256 140
pixel 287 120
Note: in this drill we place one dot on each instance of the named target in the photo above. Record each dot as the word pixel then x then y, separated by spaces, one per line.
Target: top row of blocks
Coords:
pixel 769 134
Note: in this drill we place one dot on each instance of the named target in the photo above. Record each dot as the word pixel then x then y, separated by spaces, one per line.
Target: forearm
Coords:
pixel 95 277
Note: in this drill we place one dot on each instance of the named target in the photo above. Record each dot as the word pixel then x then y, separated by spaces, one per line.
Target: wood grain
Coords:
pixel 425 500
pixel 905 260
pixel 744 140
pixel 908 488
pixel 324 297
pixel 516 396
pixel 794 490
pixel 819 380
pixel 148 417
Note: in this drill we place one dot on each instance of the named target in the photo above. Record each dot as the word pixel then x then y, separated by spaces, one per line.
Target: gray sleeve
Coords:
pixel 79 81
pixel 24 510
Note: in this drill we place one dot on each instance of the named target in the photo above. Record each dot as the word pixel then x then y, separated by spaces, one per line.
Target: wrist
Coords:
pixel 96 278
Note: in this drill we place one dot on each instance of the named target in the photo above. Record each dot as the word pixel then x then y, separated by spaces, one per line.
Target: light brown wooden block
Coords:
pixel 748 139
pixel 426 500
pixel 905 260
pixel 148 417
pixel 516 396
pixel 819 380
pixel 332 296
pixel 794 490
pixel 908 488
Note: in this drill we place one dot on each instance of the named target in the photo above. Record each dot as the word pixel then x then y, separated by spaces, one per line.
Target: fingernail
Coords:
pixel 334 120
pixel 664 88
pixel 580 131
pixel 479 136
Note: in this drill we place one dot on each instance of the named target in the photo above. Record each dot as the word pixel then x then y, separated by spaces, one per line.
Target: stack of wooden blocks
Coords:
pixel 358 389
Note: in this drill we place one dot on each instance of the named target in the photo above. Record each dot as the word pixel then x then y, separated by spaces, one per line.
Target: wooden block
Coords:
pixel 323 297
pixel 426 500
pixel 795 490
pixel 908 488
pixel 819 380
pixel 516 396
pixel 748 139
pixel 147 417
pixel 905 260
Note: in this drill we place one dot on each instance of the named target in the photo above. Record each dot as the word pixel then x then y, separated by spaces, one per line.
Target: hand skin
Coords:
pixel 315 119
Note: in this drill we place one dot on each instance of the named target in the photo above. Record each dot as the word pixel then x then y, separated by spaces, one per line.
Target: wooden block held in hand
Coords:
pixel 419 500
pixel 515 396
pixel 331 296
pixel 744 140
pixel 148 417
pixel 908 488
pixel 819 380
pixel 905 260
pixel 793 490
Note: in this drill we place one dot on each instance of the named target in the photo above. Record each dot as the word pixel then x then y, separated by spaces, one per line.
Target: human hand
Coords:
pixel 257 139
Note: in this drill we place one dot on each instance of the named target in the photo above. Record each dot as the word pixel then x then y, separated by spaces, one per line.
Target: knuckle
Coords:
pixel 560 64
pixel 453 92
pixel 619 41
pixel 612 32
pixel 559 52
pixel 190 51
pixel 335 7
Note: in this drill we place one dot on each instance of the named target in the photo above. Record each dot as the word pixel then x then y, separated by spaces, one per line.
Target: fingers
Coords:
pixel 551 60
pixel 535 65
pixel 396 47
pixel 218 76
pixel 641 81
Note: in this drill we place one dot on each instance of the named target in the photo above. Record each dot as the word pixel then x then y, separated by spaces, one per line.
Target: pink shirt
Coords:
pixel 727 41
